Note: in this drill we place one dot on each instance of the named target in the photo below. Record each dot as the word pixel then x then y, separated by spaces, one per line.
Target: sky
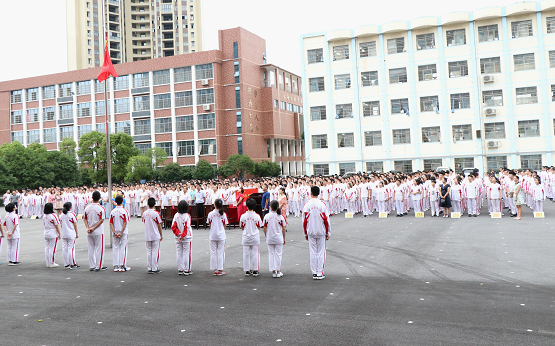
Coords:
pixel 33 32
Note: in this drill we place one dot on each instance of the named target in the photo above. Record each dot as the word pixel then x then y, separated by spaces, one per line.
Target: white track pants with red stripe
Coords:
pixel 96 250
pixel 13 250
pixel 217 254
pixel 50 250
pixel 275 252
pixel 250 253
pixel 119 251
pixel 317 250
pixel 184 251
pixel 68 251
pixel 152 254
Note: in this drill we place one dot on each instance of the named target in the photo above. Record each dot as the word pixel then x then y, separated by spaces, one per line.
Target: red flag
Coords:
pixel 107 68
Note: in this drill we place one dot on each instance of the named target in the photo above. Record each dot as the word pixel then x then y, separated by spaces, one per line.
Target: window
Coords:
pixel 283 105
pixel 83 129
pixel 33 136
pixel 340 52
pixel 235 50
pixel 142 127
pixel 204 71
pixel 318 113
pixel 49 113
pixel 182 74
pixel 458 69
pixel 183 99
pixel 66 90
pixel 84 87
pixel 162 125
pixel 143 147
pixel 432 164
pixel 404 166
pixel 495 130
pixel 123 127
pixel 463 162
pixel 395 45
pixel 205 96
pixel 551 58
pixel 319 141
pixel 186 148
pixel 550 23
pixel 206 121
pixel 522 28
pixel 66 111
pixel 184 123
pixel 371 108
pixel 15 96
pixel 425 41
pixel 429 104
pixel 122 105
pixel 374 166
pixel 276 104
pixel 372 138
pixel 531 162
pixel 237 97
pixel 17 136
pixel 120 83
pixel 32 94
pixel 427 72
pixel 161 77
pixel 315 55
pixel 552 92
pixel 492 98
pixel 524 62
pixel 99 87
pixel 462 133
pixel 239 129
pixel 344 111
pixel 48 92
pixel 345 140
pixel 207 146
pixel 488 33
pixel 398 75
pixel 162 101
pixel 369 78
pixel 342 81
pixel 66 132
pixel 321 169
pixel 431 134
pixel 460 101
pixel 140 80
pixel 100 107
pixel 33 115
pixel 167 146
pixel 49 135
pixel 367 49
pixel 456 37
pixel 101 127
pixel 401 136
pixel 526 95
pixel 529 128
pixel 316 84
pixel 84 109
pixel 347 168
pixel 399 106
pixel 495 163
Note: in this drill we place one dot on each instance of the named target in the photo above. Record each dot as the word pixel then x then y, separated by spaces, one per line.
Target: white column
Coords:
pixel 57 111
pixel 41 117
pixel 93 104
pixel 272 149
pixel 74 108
pixel 174 125
pixel 195 123
pixel 24 115
pixel 151 98
pixel 111 120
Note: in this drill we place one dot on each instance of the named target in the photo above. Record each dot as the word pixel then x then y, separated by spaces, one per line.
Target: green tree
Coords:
pixel 65 167
pixel 68 146
pixel 204 170
pixel 139 167
pixel 224 171
pixel 28 165
pixel 158 155
pixel 122 149
pixel 170 172
pixel 89 155
pixel 239 165
pixel 7 180
pixel 267 168
pixel 85 176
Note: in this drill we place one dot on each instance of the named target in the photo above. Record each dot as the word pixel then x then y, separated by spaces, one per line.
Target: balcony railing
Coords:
pixel 113 2
pixel 141 106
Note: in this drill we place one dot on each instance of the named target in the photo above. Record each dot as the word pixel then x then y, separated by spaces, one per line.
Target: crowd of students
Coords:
pixel 316 198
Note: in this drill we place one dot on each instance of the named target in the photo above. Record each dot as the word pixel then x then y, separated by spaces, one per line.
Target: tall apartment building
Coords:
pixel 467 89
pixel 204 105
pixel 137 30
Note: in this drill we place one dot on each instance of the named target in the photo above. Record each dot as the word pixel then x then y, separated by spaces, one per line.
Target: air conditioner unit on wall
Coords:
pixel 204 82
pixel 205 107
pixel 489 79
pixel 493 144
pixel 490 111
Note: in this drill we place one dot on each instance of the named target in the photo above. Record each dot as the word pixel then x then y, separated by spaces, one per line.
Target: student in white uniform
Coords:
pixel 317 230
pixel 434 192
pixel 217 220
pixel 274 230
pixel 181 227
pixel 399 198
pixel 153 236
pixel 11 222
pixel 2 235
pixel 250 223
pixel 538 194
pixel 471 193
pixel 119 218
pixel 94 223
pixel 52 234
pixel 68 221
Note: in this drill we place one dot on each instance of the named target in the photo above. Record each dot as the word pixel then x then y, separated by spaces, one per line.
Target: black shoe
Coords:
pixel 103 268
pixel 76 266
pixel 248 273
pixel 255 273
pixel 469 215
pixel 404 213
pixel 180 272
pixel 157 271
pixel 314 277
pixel 186 273
pixel 475 215
pixel 150 272
pixel 92 269
pixel 97 270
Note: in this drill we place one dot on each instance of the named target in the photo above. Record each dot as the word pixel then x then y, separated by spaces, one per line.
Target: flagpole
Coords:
pixel 108 151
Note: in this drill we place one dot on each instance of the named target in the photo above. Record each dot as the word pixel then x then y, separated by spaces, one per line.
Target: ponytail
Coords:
pixel 220 206
pixel 67 207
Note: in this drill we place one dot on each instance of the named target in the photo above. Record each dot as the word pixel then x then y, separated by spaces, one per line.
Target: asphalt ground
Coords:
pixel 394 281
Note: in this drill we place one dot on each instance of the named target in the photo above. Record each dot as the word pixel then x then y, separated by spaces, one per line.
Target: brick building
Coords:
pixel 208 104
